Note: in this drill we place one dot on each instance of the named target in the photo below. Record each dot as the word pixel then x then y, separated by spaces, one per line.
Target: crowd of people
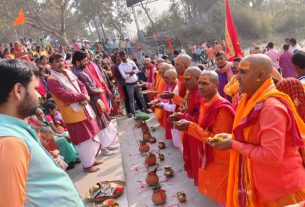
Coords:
pixel 240 128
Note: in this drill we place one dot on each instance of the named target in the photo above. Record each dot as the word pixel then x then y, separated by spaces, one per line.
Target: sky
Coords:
pixel 157 8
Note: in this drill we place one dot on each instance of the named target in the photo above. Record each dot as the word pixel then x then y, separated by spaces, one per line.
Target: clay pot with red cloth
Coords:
pixel 159 196
pixel 152 178
pixel 150 159
pixel 147 136
pixel 144 147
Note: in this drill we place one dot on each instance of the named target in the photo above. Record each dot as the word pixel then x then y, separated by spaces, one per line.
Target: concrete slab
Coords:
pixel 139 194
pixel 128 165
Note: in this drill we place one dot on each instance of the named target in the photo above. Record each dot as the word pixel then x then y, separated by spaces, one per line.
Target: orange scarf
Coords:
pixel 246 105
pixel 159 89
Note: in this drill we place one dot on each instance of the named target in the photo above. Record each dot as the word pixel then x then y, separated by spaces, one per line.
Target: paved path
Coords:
pixel 128 166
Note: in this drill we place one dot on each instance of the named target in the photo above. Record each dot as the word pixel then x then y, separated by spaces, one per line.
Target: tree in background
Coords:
pixel 64 19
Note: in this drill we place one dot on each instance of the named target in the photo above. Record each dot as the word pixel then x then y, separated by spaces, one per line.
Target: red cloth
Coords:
pixel 168 125
pixel 51 146
pixel 18 51
pixel 93 71
pixel 233 48
pixel 170 46
pixel 191 144
pixel 41 89
pixel 151 79
pixel 294 89
pixel 182 86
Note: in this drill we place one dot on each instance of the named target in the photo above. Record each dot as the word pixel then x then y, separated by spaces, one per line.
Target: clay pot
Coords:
pixel 144 147
pixel 161 157
pixel 161 145
pixel 147 136
pixel 152 178
pixel 152 140
pixel 144 127
pixel 150 159
pixel 159 196
pixel 181 197
pixel 168 172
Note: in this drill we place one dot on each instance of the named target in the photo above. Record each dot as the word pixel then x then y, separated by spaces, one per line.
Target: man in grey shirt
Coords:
pixel 129 70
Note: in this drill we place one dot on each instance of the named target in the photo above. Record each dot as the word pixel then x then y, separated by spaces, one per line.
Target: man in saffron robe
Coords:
pixel 71 97
pixel 225 73
pixel 183 61
pixel 170 78
pixel 150 71
pixel 216 116
pixel 189 109
pixel 275 73
pixel 266 168
pixel 150 82
pixel 159 113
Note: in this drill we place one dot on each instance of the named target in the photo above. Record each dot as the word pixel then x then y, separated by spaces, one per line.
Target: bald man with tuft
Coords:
pixel 267 137
pixel 182 62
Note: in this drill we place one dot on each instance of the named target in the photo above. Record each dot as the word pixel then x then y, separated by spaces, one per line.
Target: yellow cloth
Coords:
pixel 246 105
pixel 68 114
pixel 232 87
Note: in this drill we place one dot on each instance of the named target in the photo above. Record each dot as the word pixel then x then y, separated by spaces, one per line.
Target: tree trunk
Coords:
pixel 102 25
pixel 189 13
pixel 90 30
pixel 63 39
pixel 118 29
pixel 271 7
pixel 97 30
pixel 147 14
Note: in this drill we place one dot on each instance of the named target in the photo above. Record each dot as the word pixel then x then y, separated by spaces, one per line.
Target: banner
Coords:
pixel 233 48
pixel 20 18
pixel 155 36
pixel 170 46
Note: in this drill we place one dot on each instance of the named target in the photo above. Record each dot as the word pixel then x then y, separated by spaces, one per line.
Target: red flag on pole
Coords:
pixel 233 49
pixel 155 36
pixel 170 46
pixel 20 18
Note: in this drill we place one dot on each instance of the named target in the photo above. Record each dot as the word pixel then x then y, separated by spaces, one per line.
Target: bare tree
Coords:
pixel 52 16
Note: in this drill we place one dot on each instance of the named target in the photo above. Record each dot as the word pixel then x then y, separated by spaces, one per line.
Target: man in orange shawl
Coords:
pixel 160 85
pixel 216 116
pixel 265 163
pixel 189 109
